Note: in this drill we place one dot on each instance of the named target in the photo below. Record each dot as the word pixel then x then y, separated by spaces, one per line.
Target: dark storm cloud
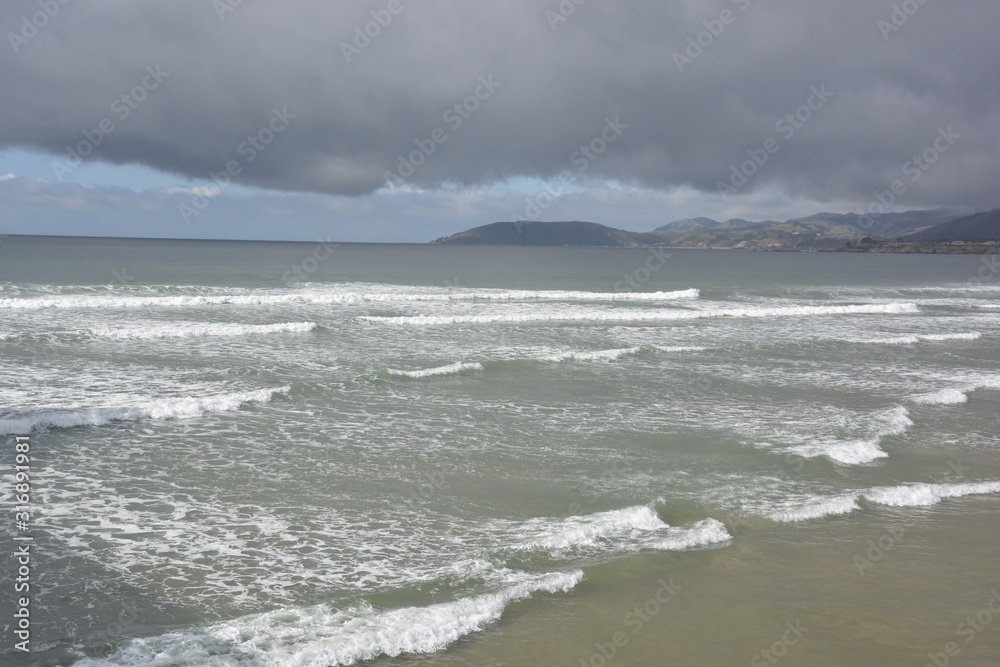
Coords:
pixel 188 86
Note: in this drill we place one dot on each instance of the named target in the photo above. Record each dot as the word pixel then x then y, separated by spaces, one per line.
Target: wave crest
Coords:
pixel 450 369
pixel 665 315
pixel 321 636
pixel 903 495
pixel 913 339
pixel 631 528
pixel 598 355
pixel 335 295
pixel 894 421
pixel 171 408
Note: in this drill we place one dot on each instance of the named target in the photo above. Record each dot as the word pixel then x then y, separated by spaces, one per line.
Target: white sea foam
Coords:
pixel 943 397
pixel 701 533
pixel 329 295
pixel 562 295
pixel 616 353
pixel 658 315
pixel 904 495
pixel 321 636
pixel 815 508
pixel 896 420
pixel 168 408
pixel 851 452
pixel 158 331
pixel 630 529
pixel 586 530
pixel 114 301
pixel 917 495
pixel 972 335
pixel 913 339
pixel 199 330
pixel 957 395
pixel 450 369
pixel 598 355
pixel 893 421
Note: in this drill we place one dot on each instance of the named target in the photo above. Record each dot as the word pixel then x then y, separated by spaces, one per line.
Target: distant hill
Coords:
pixel 886 225
pixel 818 231
pixel 977 227
pixel 688 224
pixel 838 225
pixel 568 233
pixel 787 235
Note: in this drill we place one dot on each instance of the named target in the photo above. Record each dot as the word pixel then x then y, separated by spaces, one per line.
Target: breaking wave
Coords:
pixel 450 369
pixel 629 529
pixel 956 395
pixel 599 355
pixel 666 315
pixel 165 331
pixel 377 294
pixel 25 421
pixel 322 636
pixel 894 421
pixel 913 339
pixel 904 495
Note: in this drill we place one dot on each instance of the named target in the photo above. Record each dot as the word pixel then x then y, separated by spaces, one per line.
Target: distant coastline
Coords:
pixel 938 231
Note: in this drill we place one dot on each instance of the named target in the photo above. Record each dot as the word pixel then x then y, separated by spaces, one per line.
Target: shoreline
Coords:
pixel 923 249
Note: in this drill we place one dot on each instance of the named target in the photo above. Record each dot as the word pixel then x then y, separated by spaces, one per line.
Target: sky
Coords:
pixel 407 120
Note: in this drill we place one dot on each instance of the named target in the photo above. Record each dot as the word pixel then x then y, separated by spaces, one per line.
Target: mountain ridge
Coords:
pixel 975 227
pixel 819 231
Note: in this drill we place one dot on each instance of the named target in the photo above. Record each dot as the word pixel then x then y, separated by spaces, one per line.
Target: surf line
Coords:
pixel 22 554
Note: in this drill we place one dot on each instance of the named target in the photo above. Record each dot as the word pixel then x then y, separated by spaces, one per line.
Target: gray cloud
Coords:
pixel 553 90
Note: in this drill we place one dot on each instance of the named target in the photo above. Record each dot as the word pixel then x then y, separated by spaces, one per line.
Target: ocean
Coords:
pixel 317 454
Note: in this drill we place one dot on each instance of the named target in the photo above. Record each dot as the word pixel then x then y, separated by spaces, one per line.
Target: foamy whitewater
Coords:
pixel 421 448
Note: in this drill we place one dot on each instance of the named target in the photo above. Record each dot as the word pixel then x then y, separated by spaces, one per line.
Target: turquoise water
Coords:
pixel 321 454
